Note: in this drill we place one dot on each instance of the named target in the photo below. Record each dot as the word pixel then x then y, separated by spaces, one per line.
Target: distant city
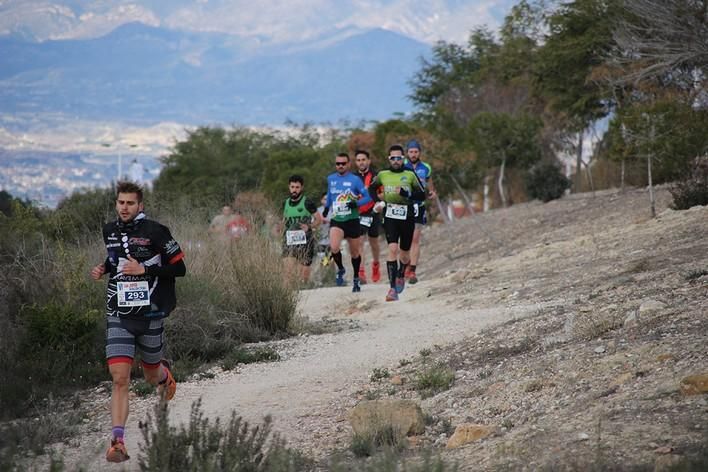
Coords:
pixel 47 178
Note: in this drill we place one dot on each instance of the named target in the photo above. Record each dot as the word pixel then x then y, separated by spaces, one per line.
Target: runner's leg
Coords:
pixel 336 235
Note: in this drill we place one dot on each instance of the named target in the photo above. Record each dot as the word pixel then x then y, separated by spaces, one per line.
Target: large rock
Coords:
pixel 404 415
pixel 695 384
pixel 650 305
pixel 466 433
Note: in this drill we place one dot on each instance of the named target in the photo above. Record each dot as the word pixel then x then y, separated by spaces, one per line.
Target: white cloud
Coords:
pixel 94 24
pixel 271 21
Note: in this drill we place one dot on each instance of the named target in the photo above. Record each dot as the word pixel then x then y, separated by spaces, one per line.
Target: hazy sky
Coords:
pixel 272 20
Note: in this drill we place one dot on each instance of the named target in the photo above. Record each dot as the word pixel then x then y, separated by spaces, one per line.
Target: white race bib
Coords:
pixel 295 237
pixel 133 293
pixel 397 212
pixel 416 211
pixel 341 209
pixel 366 221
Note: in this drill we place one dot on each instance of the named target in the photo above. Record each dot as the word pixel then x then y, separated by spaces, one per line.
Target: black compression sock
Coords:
pixel 356 263
pixel 337 258
pixel 401 269
pixel 392 267
pixel 412 268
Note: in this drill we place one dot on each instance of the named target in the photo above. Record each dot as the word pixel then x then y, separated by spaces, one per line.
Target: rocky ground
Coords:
pixel 567 329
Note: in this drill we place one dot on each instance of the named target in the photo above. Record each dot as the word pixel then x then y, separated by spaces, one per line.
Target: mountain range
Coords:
pixel 145 74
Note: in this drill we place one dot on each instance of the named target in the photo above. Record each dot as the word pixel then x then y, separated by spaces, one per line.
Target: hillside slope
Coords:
pixel 568 325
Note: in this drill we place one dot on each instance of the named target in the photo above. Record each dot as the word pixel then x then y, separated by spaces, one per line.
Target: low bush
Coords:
pixel 546 182
pixel 210 445
pixel 693 189
pixel 383 436
pixel 248 356
pixel 31 436
pixel 434 379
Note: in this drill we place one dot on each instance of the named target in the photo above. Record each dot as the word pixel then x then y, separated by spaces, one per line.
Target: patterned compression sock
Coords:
pixel 392 268
pixel 118 432
pixel 337 258
pixel 356 264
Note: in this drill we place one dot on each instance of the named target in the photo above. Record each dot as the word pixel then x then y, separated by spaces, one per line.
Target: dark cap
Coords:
pixel 413 144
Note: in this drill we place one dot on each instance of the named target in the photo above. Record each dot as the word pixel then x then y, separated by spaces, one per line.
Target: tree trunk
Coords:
pixel 579 163
pixel 441 209
pixel 485 202
pixel 467 200
pixel 588 177
pixel 500 182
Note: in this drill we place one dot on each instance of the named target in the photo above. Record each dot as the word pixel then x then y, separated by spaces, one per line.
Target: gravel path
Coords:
pixel 319 374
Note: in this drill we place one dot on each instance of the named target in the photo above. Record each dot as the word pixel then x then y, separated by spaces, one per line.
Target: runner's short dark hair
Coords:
pixel 343 154
pixel 129 187
pixel 296 178
pixel 362 151
pixel 395 147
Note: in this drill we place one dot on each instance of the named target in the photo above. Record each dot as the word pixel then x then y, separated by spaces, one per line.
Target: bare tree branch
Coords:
pixel 660 37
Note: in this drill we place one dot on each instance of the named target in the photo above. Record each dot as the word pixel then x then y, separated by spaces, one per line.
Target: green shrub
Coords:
pixel 58 349
pixel 387 436
pixel 211 445
pixel 27 435
pixel 693 189
pixel 248 356
pixel 434 379
pixel 379 373
pixel 546 182
pixel 83 214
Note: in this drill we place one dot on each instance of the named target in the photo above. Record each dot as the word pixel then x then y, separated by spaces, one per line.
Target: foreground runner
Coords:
pixel 300 218
pixel 345 193
pixel 143 261
pixel 401 188
pixel 424 173
pixel 369 221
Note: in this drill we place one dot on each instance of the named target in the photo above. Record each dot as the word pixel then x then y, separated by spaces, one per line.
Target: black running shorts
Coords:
pixel 400 231
pixel 370 224
pixel 350 227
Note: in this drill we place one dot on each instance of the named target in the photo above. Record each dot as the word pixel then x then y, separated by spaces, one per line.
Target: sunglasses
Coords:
pixel 340 163
pixel 395 158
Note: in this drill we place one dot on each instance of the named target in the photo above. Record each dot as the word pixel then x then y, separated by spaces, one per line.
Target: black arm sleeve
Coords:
pixel 178 269
pixel 107 266
pixel 372 188
pixel 325 212
pixel 310 206
pixel 418 195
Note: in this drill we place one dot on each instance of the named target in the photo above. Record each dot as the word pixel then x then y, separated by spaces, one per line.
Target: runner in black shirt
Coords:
pixel 143 261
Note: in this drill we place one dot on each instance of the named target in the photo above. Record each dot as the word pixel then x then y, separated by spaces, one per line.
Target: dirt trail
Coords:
pixel 309 391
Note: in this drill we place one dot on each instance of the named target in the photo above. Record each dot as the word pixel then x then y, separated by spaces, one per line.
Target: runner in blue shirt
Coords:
pixel 424 173
pixel 345 194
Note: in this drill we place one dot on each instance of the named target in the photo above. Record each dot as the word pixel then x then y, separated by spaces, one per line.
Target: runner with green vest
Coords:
pixel 298 238
pixel 401 188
